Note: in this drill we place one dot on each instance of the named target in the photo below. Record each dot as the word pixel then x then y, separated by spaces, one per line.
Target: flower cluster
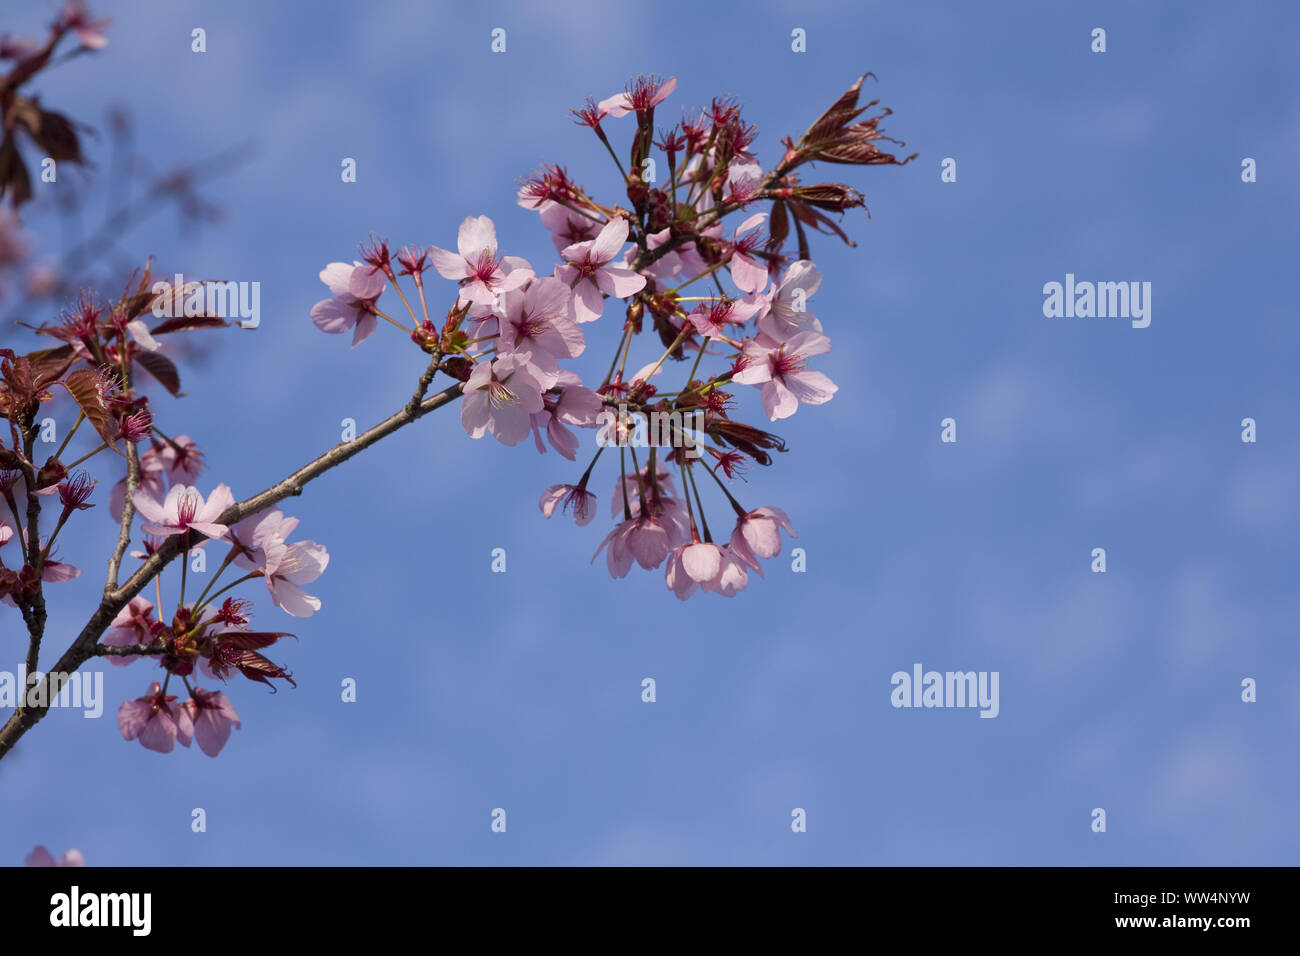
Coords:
pixel 511 325
pixel 101 351
pixel 214 639
pixel 696 256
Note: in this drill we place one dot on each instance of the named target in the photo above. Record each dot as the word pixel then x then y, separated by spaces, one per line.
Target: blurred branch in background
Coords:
pixel 35 284
pixel 41 159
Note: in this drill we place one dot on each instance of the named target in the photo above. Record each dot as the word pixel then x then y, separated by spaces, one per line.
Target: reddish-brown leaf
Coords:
pixel 256 667
pixel 87 389
pixel 162 368
pixel 182 323
pixel 13 173
pixel 250 640
pixel 50 364
pixel 57 135
pixel 840 113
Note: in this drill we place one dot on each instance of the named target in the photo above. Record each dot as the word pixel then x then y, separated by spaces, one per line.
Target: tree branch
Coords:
pixel 84 646
pixel 128 513
pixel 127 650
pixel 32 608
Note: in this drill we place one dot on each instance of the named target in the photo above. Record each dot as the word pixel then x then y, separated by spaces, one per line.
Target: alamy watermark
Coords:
pixel 228 300
pixel 79 689
pixel 75 908
pixel 923 688
pixel 676 429
pixel 1102 300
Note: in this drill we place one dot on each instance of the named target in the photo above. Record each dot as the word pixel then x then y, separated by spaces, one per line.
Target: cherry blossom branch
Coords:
pixel 128 505
pixel 128 650
pixel 504 338
pixel 33 608
pixel 86 643
pixel 128 513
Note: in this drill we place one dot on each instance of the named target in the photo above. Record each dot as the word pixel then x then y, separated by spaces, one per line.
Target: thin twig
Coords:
pixel 128 513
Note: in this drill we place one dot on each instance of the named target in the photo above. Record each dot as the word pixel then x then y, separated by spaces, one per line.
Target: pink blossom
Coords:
pixel 181 459
pixel 669 270
pixel 562 439
pixel 477 265
pixel 631 485
pixel 749 274
pixel 646 93
pixel 779 368
pixel 184 509
pixel 132 625
pixel 290 567
pixel 51 571
pixel 648 535
pixel 249 536
pixel 566 226
pixel 43 857
pixel 712 318
pixel 162 460
pixel 89 32
pixel 536 320
pixel 55 571
pixel 785 311
pixel 758 533
pixel 643 538
pixel 155 720
pixel 152 470
pixel 744 182
pixel 575 406
pixel 135 427
pixel 691 565
pixel 500 396
pixel 285 566
pixel 731 578
pixel 587 271
pixel 212 715
pixel 573 498
pixel 356 289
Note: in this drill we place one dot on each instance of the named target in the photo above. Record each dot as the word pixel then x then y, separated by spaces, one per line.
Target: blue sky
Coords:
pixel 522 690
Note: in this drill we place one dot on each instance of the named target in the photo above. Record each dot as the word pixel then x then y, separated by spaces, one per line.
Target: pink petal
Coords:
pixel 449 264
pixel 366 283
pixel 588 303
pixel 366 326
pixel 810 387
pixel 701 561
pixel 333 316
pixel 610 240
pixel 477 234
pixel 620 104
pixel 778 401
pixel 336 275
pixel 619 282
pixel 159 733
pixel 291 598
pixel 551 497
pixel 211 731
pixel 148 506
pixel 748 275
pixel 761 536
